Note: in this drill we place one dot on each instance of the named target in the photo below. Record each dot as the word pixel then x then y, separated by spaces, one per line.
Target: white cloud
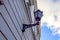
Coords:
pixel 50 10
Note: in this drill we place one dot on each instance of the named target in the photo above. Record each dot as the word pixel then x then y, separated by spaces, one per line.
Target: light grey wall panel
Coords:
pixel 28 33
pixel 1 37
pixel 5 29
pixel 12 16
pixel 7 18
pixel 19 20
pixel 22 11
pixel 11 12
pixel 20 14
pixel 15 14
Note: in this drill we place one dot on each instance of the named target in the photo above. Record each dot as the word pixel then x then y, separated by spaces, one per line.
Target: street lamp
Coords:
pixel 37 14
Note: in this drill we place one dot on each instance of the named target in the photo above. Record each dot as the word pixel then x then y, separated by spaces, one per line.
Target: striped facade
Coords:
pixel 13 14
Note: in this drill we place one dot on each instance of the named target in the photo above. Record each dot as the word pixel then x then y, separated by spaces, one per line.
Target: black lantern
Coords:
pixel 37 14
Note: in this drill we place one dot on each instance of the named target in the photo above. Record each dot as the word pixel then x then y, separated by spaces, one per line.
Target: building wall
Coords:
pixel 36 29
pixel 13 14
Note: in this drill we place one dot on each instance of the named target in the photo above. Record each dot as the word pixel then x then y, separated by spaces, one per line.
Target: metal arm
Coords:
pixel 25 26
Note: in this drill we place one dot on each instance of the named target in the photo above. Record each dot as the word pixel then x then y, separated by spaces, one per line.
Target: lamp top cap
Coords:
pixel 38 11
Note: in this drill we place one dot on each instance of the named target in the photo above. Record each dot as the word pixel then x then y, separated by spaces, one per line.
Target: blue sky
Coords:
pixel 50 22
pixel 46 34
